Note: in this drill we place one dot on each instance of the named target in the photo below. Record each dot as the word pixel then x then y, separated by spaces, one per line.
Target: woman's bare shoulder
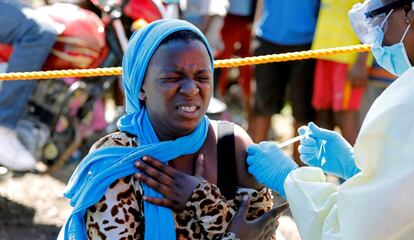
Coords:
pixel 242 141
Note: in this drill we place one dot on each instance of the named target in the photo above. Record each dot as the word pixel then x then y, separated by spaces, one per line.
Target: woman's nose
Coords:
pixel 189 87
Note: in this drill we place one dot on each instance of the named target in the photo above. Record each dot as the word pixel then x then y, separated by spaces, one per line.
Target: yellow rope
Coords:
pixel 62 73
pixel 226 63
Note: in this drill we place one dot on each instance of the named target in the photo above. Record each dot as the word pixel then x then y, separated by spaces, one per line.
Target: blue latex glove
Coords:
pixel 327 150
pixel 269 165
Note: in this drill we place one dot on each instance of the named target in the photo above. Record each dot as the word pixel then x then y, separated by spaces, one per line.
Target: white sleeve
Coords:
pixel 377 203
pixel 313 203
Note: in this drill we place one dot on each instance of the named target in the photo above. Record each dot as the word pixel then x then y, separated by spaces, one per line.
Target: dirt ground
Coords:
pixel 32 205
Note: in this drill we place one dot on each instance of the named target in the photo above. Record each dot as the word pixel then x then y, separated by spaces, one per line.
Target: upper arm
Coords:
pixel 119 212
pixel 242 141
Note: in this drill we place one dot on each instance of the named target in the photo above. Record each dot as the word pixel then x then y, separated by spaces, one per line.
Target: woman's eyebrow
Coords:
pixel 203 70
pixel 180 70
pixel 169 69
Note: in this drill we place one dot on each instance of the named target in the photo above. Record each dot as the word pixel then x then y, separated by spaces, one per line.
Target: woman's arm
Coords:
pixel 249 216
pixel 242 141
pixel 205 202
pixel 119 214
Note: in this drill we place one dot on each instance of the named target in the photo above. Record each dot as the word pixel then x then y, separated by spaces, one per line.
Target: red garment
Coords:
pixel 332 89
pixel 236 29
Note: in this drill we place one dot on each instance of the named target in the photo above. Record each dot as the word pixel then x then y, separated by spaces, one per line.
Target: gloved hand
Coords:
pixel 269 165
pixel 327 150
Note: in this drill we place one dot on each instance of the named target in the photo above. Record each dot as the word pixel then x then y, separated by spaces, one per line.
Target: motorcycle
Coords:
pixel 65 117
pixel 63 114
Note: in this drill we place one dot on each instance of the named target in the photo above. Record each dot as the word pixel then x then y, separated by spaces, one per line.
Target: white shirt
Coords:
pixel 378 202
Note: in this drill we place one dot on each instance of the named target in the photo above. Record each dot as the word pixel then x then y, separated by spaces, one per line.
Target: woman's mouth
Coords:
pixel 188 111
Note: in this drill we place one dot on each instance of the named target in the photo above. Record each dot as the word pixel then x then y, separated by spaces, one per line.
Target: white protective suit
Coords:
pixel 377 203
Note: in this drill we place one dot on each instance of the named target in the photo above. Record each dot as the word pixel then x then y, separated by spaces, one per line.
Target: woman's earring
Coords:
pixel 141 96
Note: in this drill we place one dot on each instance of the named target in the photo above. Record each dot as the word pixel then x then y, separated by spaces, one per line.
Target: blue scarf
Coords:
pixel 102 167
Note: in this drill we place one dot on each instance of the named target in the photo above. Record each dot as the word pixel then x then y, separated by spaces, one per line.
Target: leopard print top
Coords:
pixel 120 214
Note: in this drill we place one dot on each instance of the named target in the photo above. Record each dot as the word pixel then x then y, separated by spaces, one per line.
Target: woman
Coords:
pixel 168 68
pixel 376 202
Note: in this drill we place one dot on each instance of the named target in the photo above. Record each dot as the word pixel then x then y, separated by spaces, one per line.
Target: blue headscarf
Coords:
pixel 102 167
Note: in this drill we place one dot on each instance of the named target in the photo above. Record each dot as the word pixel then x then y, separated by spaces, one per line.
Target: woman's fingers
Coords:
pixel 154 173
pixel 157 186
pixel 160 166
pixel 243 210
pixel 280 209
pixel 273 213
pixel 268 229
pixel 272 226
pixel 244 207
pixel 269 234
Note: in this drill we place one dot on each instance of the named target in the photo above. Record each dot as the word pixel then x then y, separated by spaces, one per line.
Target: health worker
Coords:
pixel 376 200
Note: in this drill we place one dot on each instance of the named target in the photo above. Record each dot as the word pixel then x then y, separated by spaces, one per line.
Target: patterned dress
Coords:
pixel 120 214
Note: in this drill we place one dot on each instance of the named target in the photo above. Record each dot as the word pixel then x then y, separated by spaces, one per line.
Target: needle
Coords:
pixel 290 141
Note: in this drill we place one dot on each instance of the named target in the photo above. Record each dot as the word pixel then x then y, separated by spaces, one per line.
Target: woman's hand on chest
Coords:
pixel 176 186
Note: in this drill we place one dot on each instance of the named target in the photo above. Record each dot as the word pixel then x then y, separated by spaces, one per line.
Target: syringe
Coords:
pixel 290 141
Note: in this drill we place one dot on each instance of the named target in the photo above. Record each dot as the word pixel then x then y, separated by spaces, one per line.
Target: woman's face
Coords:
pixel 178 87
pixel 397 24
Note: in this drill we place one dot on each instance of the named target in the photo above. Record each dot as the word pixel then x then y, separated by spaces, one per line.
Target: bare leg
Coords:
pixel 348 122
pixel 295 152
pixel 325 119
pixel 261 127
pixel 248 111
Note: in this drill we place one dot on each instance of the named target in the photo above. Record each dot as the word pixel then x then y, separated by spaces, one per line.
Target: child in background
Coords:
pixel 283 26
pixel 237 36
pixel 339 79
pixel 208 16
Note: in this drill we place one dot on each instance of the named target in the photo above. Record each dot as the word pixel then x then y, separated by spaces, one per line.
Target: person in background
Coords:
pixel 208 16
pixel 378 80
pixel 32 37
pixel 284 26
pixel 375 202
pixel 339 79
pixel 236 35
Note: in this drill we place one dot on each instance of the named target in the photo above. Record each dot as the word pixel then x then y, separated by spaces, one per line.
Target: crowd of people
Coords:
pixel 328 90
pixel 207 179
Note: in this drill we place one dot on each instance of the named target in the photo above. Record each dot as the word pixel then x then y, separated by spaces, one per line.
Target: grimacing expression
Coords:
pixel 177 87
